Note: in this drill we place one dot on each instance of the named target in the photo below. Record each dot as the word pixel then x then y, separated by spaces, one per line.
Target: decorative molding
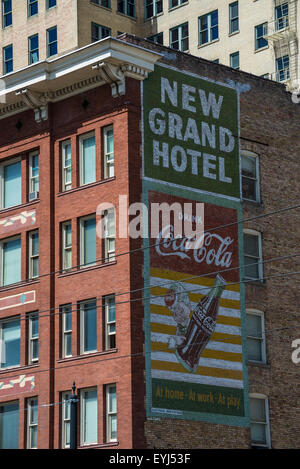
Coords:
pixel 21 219
pixel 113 75
pixel 17 300
pixel 22 384
pixel 37 102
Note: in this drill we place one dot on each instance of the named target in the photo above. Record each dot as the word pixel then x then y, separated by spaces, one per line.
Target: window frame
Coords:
pixel 127 5
pixel 266 423
pixel 83 264
pixel 32 257
pixel 30 5
pixel 7 14
pixel 65 247
pixel 48 7
pixel 6 61
pixel 262 339
pixel 181 38
pixel 264 27
pixel 284 18
pixel 101 28
pixel 65 332
pixel 6 320
pixel 81 138
pixel 157 38
pixel 31 425
pixel 108 323
pixel 108 157
pixel 209 28
pixel 3 164
pixel 82 311
pixel 109 254
pixel 82 416
pixel 255 156
pixel 233 18
pixel 31 177
pixel 5 404
pixel 65 420
pixel 65 186
pixel 49 44
pixel 232 56
pixel 31 50
pixel 156 5
pixel 284 70
pixel 32 338
pixel 2 241
pixel 110 414
pixel 179 3
pixel 259 258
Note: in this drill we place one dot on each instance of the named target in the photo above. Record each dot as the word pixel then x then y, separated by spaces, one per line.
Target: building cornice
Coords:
pixel 107 61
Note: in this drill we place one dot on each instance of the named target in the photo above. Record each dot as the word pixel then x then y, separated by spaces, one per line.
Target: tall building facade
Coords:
pixel 259 37
pixel 88 296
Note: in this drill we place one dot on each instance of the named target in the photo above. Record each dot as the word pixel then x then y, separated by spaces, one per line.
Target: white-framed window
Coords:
pixel 66 323
pixel 281 16
pixel 259 421
pixel 283 68
pixel 208 27
pixel 255 333
pixel 157 38
pixel 110 321
pixel 33 49
pixel 10 256
pixel 66 165
pixel 8 59
pixel 87 157
pixel 179 37
pixel 51 36
pixel 66 419
pixel 33 254
pixel 153 8
pixel 9 418
pixel 109 225
pixel 11 183
pixel 99 32
pixel 259 32
pixel 33 338
pixel 111 412
pixel 10 337
pixel 233 17
pixel 88 326
pixel 6 13
pixel 88 416
pixel 253 255
pixel 176 3
pixel 33 7
pixel 33 175
pixel 50 4
pixel 108 139
pixel 234 60
pixel 32 422
pixel 88 241
pixel 102 3
pixel 66 245
pixel 127 7
pixel 250 176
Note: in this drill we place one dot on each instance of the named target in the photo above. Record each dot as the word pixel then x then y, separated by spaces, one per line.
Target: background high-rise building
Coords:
pixel 259 37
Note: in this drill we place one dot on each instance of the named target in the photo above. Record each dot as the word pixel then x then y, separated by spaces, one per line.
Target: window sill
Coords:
pixel 86 269
pixel 153 17
pixel 86 355
pixel 19 285
pixel 18 368
pixel 253 203
pixel 208 43
pixel 234 33
pixel 86 186
pixel 100 445
pixel 126 16
pixel 19 207
pixel 178 6
pixel 261 49
pixel 259 364
pixel 258 283
pixel 100 6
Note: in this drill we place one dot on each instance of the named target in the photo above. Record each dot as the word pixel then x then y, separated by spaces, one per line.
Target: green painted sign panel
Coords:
pixel 191 128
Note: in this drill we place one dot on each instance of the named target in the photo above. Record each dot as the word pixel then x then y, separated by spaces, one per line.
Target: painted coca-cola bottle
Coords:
pixel 201 326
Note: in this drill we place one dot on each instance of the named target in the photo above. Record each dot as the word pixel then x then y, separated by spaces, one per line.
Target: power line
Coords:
pixel 142 353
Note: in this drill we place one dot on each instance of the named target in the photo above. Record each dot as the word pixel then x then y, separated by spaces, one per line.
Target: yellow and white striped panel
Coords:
pixel 221 361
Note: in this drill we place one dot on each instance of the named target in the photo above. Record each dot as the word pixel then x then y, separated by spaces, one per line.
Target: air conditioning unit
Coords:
pixel 33 196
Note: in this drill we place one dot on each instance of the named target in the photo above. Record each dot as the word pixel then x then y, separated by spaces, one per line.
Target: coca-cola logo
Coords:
pixel 209 324
pixel 204 248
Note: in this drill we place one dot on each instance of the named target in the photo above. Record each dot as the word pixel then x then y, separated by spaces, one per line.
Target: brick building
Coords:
pixel 74 306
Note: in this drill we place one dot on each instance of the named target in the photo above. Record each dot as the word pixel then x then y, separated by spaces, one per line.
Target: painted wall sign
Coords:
pixel 16 221
pixel 195 367
pixel 18 385
pixel 191 129
pixel 20 299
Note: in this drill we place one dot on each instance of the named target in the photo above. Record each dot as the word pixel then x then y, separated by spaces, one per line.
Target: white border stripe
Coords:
pixel 198 379
pixel 206 362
